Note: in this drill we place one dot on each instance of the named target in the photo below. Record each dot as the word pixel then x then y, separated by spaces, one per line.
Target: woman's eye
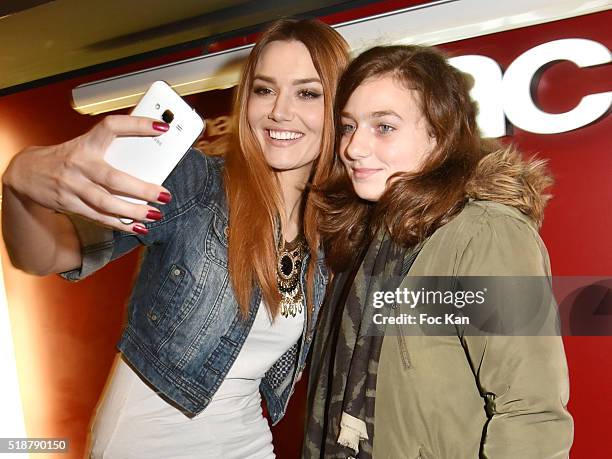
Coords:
pixel 309 94
pixel 346 129
pixel 262 90
pixel 385 128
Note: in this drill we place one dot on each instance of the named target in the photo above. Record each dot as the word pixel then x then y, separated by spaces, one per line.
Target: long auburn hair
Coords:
pixel 254 198
pixel 463 165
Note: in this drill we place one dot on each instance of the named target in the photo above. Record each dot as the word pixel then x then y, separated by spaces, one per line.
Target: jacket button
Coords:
pixel 226 231
pixel 176 272
pixel 152 316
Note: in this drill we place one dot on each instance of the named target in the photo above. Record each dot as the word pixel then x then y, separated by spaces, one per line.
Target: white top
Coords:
pixel 134 422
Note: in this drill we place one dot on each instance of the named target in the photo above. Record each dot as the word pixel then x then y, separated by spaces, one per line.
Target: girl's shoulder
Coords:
pixel 485 238
pixel 479 217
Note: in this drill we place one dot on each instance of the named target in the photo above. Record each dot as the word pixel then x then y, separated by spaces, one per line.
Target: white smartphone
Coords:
pixel 152 159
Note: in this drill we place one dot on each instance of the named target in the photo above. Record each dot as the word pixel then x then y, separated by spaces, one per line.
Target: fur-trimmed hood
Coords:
pixel 504 176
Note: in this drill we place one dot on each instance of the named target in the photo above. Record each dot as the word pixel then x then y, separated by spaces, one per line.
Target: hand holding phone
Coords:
pixel 152 159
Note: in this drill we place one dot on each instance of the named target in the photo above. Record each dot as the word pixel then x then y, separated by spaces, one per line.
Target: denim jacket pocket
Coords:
pixel 166 295
pixel 216 241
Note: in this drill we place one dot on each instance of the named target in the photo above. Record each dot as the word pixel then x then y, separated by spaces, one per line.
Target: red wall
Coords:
pixel 68 331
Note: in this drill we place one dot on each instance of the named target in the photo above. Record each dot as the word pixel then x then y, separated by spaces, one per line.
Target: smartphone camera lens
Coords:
pixel 167 116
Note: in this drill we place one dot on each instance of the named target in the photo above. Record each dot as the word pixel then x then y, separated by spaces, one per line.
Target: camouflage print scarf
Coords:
pixel 344 366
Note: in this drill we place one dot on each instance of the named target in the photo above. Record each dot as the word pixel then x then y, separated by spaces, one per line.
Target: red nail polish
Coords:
pixel 140 229
pixel 164 197
pixel 159 126
pixel 154 215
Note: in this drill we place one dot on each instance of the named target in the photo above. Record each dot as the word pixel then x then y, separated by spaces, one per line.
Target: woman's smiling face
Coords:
pixel 383 132
pixel 286 106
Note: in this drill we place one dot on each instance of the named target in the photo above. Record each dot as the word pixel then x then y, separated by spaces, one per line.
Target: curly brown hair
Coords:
pixel 415 204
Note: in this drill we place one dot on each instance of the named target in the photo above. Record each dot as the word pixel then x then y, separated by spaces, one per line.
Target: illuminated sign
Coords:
pixel 516 102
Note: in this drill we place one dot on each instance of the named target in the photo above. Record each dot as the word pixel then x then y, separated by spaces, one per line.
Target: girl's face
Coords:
pixel 285 108
pixel 383 132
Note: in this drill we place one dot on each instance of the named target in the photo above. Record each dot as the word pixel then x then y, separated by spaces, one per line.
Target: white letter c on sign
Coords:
pixel 520 107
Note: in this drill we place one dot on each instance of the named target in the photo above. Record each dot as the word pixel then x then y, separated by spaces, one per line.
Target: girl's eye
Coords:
pixel 385 128
pixel 346 129
pixel 262 90
pixel 309 94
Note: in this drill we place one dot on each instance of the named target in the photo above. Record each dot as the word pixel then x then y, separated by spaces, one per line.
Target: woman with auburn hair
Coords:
pixel 232 278
pixel 419 202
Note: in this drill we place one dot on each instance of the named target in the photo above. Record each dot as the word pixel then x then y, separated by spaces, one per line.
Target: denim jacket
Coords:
pixel 184 327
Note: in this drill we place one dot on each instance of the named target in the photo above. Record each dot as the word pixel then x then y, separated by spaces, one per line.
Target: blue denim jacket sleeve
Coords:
pixel 101 245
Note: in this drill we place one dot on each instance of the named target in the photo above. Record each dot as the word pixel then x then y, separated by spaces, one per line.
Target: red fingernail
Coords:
pixel 140 229
pixel 154 215
pixel 164 197
pixel 159 126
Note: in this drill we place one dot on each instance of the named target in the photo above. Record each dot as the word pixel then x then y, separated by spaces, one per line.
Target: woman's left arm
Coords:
pixel 523 379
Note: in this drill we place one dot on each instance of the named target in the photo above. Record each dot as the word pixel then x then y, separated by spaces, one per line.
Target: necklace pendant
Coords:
pixel 288 276
pixel 292 307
